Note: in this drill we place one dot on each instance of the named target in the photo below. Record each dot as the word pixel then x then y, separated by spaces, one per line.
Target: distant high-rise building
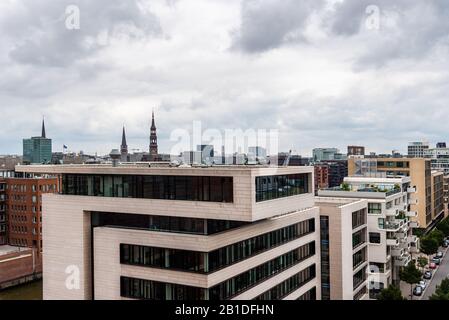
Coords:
pixel 417 149
pixel 207 152
pixel 441 145
pixel 153 141
pixel 439 157
pixel 356 151
pixel 257 151
pixel 37 149
pixel 325 154
pixel 124 146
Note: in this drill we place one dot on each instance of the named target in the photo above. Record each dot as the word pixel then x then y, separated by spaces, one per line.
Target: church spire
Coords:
pixel 43 135
pixel 153 140
pixel 124 145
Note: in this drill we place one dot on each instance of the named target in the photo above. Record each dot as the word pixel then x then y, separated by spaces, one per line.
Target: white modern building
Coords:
pixel 183 233
pixel 391 243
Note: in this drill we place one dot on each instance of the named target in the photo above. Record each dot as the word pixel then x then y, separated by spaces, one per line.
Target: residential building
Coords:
pixel 177 233
pixel 439 158
pixel 330 174
pixel 356 151
pixel 37 149
pixel 18 265
pixel 391 243
pixel 8 162
pixel 321 176
pixel 446 194
pixel 418 169
pixel 3 222
pixel 24 209
pixel 338 170
pixel 417 149
pixel 437 196
pixel 344 248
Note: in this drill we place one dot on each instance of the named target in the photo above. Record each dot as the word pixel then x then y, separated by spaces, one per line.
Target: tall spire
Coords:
pixel 43 135
pixel 153 140
pixel 153 126
pixel 124 145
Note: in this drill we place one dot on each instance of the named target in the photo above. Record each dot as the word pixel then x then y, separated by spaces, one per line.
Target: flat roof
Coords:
pixel 157 169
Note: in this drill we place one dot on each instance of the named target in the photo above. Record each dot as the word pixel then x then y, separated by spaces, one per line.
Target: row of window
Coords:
pixel 309 295
pixel 34 188
pixel 359 258
pixel 290 285
pixel 153 290
pixel 274 187
pixel 358 218
pixel 204 262
pixel 358 238
pixel 192 188
pixel 163 223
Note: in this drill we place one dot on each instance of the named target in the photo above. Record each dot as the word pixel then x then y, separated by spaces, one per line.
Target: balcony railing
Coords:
pixel 411 190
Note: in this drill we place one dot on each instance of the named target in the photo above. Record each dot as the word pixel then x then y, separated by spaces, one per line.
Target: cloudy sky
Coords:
pixel 323 72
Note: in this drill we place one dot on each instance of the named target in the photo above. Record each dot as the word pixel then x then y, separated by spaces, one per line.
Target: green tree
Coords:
pixel 391 293
pixel 438 236
pixel 443 226
pixel 422 262
pixel 442 291
pixel 411 275
pixel 429 245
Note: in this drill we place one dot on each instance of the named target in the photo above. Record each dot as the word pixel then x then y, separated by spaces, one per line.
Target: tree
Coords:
pixel 410 275
pixel 442 291
pixel 429 245
pixel 438 236
pixel 422 262
pixel 390 293
pixel 443 226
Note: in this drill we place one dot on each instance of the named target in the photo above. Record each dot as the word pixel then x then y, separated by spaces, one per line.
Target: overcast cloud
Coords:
pixel 313 69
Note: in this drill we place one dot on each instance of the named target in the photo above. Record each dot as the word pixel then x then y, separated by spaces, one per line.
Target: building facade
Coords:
pixel 417 149
pixel 326 154
pixel 418 169
pixel 217 233
pixel 391 243
pixel 344 248
pixel 37 149
pixel 356 151
pixel 3 222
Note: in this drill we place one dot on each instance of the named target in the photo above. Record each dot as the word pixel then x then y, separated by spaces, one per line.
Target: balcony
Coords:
pixel 411 214
pixel 403 261
pixel 397 252
pixel 391 212
pixel 414 224
pixel 412 239
pixel 394 225
pixel 412 201
pixel 411 190
pixel 393 242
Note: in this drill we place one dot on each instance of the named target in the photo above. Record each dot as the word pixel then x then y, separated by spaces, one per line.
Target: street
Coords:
pixel 441 273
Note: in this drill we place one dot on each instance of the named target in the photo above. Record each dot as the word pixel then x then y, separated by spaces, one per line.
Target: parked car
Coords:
pixel 432 265
pixel 427 275
pixel 440 255
pixel 417 291
pixel 423 284
pixel 436 260
pixel 446 243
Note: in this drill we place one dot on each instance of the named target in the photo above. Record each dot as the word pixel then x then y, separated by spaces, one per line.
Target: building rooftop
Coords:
pixel 157 168
pixel 7 249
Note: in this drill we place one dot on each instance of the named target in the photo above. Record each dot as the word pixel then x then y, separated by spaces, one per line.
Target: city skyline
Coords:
pixel 321 66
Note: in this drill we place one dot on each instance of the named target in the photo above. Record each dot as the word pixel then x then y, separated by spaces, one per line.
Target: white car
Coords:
pixel 422 284
pixel 440 255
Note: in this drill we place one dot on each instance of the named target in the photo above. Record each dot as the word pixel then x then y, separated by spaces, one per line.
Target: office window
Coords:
pixel 374 208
